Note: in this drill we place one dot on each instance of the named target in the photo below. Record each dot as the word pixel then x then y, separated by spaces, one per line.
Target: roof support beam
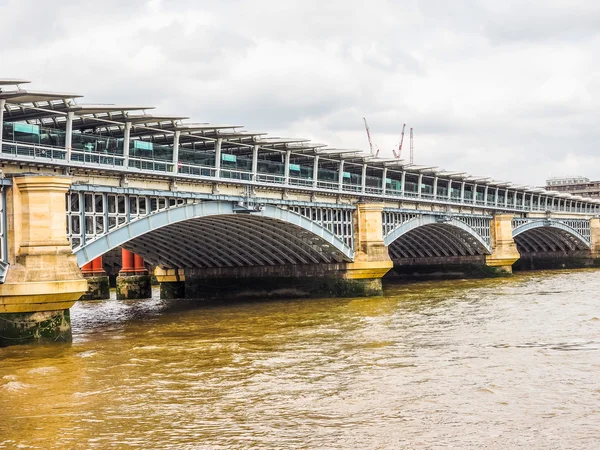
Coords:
pixel 126 140
pixel 383 180
pixel 2 104
pixel 176 151
pixel 218 157
pixel 341 176
pixel 363 179
pixel 69 134
pixel 254 162
pixel 403 183
pixel 286 167
pixel 315 180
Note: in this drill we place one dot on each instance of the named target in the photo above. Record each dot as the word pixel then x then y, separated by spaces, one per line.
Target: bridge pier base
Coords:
pixel 504 250
pixel 43 280
pixel 133 281
pixel 98 283
pixel 289 281
pixel 39 327
pixel 172 283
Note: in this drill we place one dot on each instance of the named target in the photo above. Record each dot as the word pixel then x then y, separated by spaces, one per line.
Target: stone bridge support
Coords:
pixel 43 280
pixel 359 278
pixel 133 281
pixel 504 250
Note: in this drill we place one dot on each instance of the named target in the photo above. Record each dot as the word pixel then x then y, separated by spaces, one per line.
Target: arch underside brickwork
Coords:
pixel 213 234
pixel 434 240
pixel 548 238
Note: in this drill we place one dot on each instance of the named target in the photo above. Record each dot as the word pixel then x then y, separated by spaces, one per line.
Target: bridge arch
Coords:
pixel 435 236
pixel 548 236
pixel 217 234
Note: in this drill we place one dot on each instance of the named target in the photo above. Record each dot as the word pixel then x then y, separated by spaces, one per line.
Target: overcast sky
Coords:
pixel 507 89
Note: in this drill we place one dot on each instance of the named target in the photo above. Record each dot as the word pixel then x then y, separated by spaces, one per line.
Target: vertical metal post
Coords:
pixel 363 179
pixel 341 176
pixel 462 192
pixel 383 182
pixel 2 104
pixel 505 198
pixel 254 162
pixel 449 189
pixel 315 180
pixel 218 157
pixel 126 143
pixel 435 185
pixel 420 184
pixel 515 199
pixel 69 134
pixel 403 183
pixel 176 151
pixel 496 195
pixel 286 167
pixel 546 203
pixel 485 195
pixel 474 194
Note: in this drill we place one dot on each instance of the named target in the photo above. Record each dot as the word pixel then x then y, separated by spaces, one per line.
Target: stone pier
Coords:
pixel 43 280
pixel 172 283
pixel 98 283
pixel 504 250
pixel 133 281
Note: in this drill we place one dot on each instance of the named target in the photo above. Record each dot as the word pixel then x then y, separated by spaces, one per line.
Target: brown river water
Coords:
pixel 494 363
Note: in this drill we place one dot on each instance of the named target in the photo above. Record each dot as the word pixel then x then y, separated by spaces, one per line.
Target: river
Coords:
pixel 492 363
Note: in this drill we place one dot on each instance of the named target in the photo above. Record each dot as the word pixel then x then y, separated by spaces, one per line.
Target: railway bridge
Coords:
pixel 221 211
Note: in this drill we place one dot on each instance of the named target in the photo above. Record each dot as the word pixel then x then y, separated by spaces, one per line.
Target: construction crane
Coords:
pixel 369 136
pixel 397 155
pixel 412 152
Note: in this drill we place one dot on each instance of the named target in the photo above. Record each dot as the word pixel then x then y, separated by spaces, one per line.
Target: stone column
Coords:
pixel 43 279
pixel 172 283
pixel 98 284
pixel 133 281
pixel 504 250
pixel 371 258
pixel 595 235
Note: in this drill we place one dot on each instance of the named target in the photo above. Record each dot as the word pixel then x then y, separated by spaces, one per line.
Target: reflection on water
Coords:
pixel 497 363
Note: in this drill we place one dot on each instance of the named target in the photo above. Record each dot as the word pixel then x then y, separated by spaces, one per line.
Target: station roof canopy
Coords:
pixel 12 81
pixel 50 109
pixel 26 96
pixel 99 109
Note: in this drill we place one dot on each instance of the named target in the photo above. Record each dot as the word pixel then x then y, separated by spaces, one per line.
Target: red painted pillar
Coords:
pixel 88 269
pixel 138 263
pixel 97 269
pixel 127 262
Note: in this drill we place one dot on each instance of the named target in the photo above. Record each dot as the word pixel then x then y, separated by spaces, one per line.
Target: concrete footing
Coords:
pixel 35 327
pixel 131 287
pixel 98 288
pixel 172 290
pixel 279 287
pixel 556 260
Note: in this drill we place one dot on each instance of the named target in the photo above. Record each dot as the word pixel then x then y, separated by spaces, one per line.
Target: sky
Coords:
pixel 504 89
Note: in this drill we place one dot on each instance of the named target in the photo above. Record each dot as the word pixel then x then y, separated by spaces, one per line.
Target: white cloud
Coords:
pixel 507 90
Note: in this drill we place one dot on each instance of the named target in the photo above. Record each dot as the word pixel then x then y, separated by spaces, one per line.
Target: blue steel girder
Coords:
pixel 466 239
pixel 574 233
pixel 261 225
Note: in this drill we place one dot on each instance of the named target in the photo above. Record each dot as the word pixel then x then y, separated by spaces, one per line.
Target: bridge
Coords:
pixel 222 211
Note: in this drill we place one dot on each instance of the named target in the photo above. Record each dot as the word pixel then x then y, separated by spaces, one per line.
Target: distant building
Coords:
pixel 574 185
